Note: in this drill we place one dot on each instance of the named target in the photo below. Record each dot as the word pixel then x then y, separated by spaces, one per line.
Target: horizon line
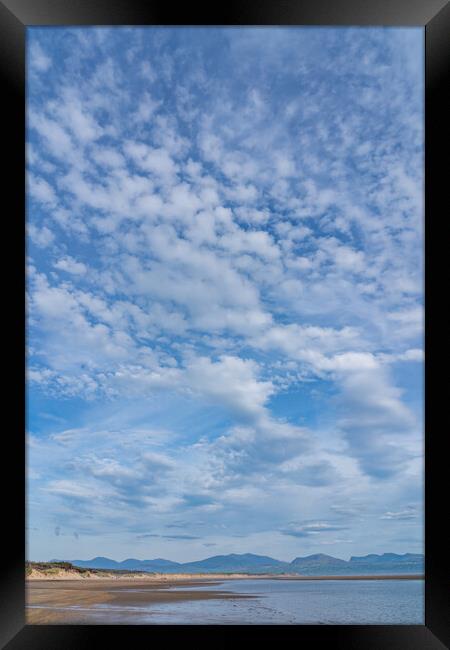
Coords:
pixel 228 555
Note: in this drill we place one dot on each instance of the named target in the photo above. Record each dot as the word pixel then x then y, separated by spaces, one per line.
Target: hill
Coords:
pixel 316 564
pixel 56 569
pixel 247 562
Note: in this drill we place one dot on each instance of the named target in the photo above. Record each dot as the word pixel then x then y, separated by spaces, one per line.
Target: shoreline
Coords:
pixel 105 600
pixel 167 577
pixel 69 601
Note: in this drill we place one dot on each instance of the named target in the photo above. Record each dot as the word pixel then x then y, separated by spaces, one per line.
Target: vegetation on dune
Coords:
pixel 53 568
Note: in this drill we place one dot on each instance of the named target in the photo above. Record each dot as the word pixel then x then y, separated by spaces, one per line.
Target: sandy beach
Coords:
pixel 59 600
pixel 49 601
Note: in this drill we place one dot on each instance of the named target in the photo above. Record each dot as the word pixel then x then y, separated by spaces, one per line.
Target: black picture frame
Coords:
pixel 434 16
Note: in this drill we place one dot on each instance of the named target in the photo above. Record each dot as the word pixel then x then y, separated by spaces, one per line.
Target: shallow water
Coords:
pixel 365 602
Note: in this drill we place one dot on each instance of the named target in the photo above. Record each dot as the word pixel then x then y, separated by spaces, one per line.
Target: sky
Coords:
pixel 224 292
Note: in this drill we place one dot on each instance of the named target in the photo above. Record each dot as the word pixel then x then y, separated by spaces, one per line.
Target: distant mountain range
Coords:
pixel 318 564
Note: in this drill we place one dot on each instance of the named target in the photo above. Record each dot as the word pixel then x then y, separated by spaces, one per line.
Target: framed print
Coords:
pixel 232 415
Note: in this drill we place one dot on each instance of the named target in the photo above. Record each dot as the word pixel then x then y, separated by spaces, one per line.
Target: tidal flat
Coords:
pixel 226 600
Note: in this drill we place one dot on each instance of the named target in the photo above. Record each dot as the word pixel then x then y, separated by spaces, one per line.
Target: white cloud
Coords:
pixel 231 382
pixel 69 265
pixel 55 138
pixel 42 237
pixel 401 515
pixel 40 190
pixel 151 159
pixel 38 58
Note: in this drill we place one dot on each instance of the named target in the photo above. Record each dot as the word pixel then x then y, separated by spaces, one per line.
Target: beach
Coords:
pixel 58 600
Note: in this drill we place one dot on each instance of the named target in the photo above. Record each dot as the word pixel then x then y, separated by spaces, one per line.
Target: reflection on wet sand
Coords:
pixel 70 601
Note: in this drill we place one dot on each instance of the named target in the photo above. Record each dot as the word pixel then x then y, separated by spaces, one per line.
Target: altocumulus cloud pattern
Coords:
pixel 224 286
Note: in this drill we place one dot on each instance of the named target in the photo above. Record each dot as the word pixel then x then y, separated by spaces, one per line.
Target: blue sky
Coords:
pixel 225 291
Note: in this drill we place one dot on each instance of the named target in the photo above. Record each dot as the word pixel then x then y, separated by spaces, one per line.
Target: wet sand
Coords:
pixel 72 601
pixel 105 600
